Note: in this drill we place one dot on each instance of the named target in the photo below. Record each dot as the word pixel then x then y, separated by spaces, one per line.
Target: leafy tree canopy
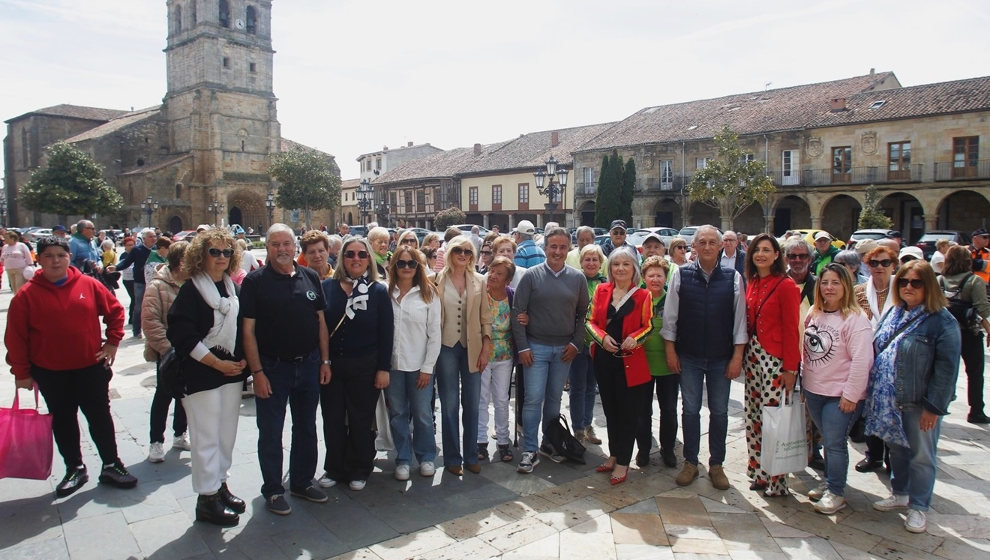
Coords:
pixel 307 179
pixel 730 182
pixel 70 183
pixel 871 217
pixel 615 190
pixel 448 217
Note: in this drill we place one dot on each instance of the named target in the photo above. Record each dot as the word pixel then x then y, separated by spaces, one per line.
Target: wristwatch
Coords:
pixel 326 362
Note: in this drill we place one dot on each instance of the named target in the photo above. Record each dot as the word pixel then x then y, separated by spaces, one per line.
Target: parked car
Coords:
pixel 420 232
pixel 184 235
pixel 36 234
pixel 360 231
pixel 927 241
pixel 666 234
pixel 874 234
pixel 466 228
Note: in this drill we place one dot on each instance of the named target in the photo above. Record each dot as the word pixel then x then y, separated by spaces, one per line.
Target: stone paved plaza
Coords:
pixel 565 511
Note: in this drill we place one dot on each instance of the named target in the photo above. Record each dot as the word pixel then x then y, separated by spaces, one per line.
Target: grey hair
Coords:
pixel 625 252
pixel 556 230
pixel 706 228
pixel 849 257
pixel 794 241
pixel 593 248
pixel 278 227
pixel 584 229
pixel 377 232
pixel 336 241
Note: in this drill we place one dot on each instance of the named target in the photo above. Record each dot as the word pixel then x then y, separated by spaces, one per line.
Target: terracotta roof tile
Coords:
pixel 75 111
pixel 116 124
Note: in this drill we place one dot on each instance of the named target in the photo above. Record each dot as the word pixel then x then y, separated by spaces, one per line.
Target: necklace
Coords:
pixel 883 291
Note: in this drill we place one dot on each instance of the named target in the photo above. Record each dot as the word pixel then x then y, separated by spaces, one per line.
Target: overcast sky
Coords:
pixel 353 76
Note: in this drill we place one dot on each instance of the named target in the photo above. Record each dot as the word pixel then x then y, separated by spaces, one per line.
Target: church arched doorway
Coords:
pixel 175 224
pixel 235 216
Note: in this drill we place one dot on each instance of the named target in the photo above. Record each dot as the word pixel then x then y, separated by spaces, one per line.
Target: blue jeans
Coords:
pixel 406 402
pixel 458 388
pixel 544 383
pixel 834 426
pixel 913 468
pixel 139 288
pixel 298 385
pixel 697 373
pixel 582 394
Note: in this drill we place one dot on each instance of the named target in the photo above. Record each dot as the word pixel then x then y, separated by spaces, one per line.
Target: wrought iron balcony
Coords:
pixel 954 171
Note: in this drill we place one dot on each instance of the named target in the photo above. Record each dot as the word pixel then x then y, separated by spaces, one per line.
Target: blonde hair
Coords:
pixel 848 304
pixel 339 273
pixel 463 242
pixel 195 256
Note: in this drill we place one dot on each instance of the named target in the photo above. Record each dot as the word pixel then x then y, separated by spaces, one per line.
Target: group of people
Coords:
pixel 380 326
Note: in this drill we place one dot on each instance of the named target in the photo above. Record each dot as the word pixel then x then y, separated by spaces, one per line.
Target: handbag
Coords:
pixel 383 439
pixel 785 442
pixel 170 375
pixel 558 435
pixel 25 441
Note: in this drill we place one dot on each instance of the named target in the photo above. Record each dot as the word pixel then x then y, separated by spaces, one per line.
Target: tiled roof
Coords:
pixel 534 149
pixel 116 124
pixel 746 113
pixel 151 169
pixel 911 102
pixel 75 111
pixel 442 164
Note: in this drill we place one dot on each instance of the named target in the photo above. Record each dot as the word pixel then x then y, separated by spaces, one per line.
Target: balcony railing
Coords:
pixel 586 189
pixel 951 171
pixel 859 176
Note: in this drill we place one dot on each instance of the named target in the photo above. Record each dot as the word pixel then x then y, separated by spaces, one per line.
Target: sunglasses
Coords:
pixel 409 241
pixel 916 283
pixel 799 257
pixel 486 252
pixel 214 252
pixel 884 263
pixel 459 251
pixel 358 254
pixel 407 264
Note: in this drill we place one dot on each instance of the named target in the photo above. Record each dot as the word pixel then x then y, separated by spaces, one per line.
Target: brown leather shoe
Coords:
pixel 687 475
pixel 717 475
pixel 474 467
pixel 454 470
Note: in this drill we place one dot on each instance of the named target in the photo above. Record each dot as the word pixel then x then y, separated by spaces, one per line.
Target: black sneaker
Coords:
pixel 550 452
pixel 277 505
pixel 74 479
pixel 118 476
pixel 977 417
pixel 311 493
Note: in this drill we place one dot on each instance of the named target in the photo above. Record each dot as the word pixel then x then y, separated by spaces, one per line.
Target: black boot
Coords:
pixel 211 510
pixel 230 500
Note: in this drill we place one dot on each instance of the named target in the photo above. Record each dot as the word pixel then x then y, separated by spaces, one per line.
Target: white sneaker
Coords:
pixel 816 494
pixel 181 442
pixel 358 485
pixel 402 472
pixel 830 503
pixel 157 453
pixel 916 521
pixel 326 482
pixel 427 468
pixel 892 502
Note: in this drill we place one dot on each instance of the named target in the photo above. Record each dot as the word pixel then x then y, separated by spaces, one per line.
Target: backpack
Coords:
pixel 558 435
pixel 964 311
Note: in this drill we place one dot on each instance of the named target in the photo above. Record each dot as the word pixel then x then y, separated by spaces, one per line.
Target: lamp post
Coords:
pixel 552 183
pixel 216 208
pixel 149 205
pixel 3 208
pixel 364 192
pixel 384 208
pixel 270 203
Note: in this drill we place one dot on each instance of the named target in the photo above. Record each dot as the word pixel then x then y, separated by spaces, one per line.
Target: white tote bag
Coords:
pixel 785 442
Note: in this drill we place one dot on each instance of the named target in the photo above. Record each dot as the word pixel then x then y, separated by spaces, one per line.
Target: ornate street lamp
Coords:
pixel 3 207
pixel 216 208
pixel 149 205
pixel 552 183
pixel 384 209
pixel 270 203
pixel 365 192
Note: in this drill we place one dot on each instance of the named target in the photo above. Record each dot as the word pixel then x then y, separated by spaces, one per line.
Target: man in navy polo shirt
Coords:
pixel 287 347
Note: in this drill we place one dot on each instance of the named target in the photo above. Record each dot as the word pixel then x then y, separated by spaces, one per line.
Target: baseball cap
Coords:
pixel 59 227
pixel 653 235
pixel 822 235
pixel 525 227
pixel 865 246
pixel 981 231
pixel 618 224
pixel 911 251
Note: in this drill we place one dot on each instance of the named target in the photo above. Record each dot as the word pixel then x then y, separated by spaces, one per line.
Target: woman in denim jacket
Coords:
pixel 913 380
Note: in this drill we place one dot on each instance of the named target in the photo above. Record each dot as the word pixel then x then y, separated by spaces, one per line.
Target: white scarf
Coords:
pixel 224 332
pixel 871 296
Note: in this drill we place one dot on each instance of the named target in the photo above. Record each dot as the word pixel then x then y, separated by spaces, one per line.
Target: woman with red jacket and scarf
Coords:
pixel 619 319
pixel 773 304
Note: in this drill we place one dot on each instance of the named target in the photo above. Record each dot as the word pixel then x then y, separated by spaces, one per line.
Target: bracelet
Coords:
pixel 326 362
pixel 257 371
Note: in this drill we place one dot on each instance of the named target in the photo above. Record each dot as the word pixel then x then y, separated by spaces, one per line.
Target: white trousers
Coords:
pixel 495 389
pixel 212 419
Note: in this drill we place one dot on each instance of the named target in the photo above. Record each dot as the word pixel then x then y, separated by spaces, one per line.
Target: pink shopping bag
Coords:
pixel 25 441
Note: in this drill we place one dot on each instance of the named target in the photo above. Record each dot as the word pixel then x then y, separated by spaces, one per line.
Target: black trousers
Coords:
pixel 348 406
pixel 129 288
pixel 972 356
pixel 159 413
pixel 66 393
pixel 668 388
pixel 623 405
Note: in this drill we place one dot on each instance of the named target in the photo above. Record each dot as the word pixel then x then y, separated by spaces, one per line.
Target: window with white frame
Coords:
pixel 666 174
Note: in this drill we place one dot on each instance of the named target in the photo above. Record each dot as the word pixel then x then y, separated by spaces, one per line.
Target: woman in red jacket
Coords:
pixel 773 353
pixel 619 318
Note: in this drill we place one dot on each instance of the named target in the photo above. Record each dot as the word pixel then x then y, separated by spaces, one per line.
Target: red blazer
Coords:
pixel 637 324
pixel 776 327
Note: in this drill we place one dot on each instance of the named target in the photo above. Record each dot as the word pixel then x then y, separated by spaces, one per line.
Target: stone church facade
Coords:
pixel 203 154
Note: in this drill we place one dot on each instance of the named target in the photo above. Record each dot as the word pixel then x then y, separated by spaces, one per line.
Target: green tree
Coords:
pixel 70 184
pixel 308 179
pixel 628 186
pixel 871 217
pixel 730 182
pixel 448 217
pixel 609 204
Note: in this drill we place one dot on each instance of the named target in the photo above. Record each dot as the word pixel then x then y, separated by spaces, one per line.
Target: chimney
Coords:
pixel 837 104
pixel 477 149
pixel 873 71
pixel 409 144
pixel 554 139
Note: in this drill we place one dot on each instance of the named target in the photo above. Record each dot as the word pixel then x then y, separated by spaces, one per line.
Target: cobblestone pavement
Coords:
pixel 561 511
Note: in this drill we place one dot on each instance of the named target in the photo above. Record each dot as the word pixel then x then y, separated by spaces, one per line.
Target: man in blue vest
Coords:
pixel 704 326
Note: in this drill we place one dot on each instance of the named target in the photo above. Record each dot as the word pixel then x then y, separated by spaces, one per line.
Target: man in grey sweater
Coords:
pixel 554 300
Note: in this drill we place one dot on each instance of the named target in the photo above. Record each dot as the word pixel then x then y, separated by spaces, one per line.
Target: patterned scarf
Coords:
pixel 883 418
pixel 358 300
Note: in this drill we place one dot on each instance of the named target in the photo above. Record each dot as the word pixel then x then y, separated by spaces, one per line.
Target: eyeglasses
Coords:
pixel 884 263
pixel 916 283
pixel 407 264
pixel 408 241
pixel 799 256
pixel 358 254
pixel 483 252
pixel 214 252
pixel 457 251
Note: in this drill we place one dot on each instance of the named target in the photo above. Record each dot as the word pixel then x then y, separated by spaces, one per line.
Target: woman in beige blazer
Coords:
pixel 465 338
